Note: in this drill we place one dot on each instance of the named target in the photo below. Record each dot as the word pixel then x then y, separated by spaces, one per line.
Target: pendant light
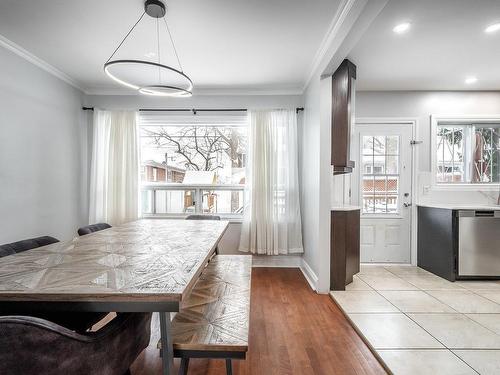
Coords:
pixel 149 77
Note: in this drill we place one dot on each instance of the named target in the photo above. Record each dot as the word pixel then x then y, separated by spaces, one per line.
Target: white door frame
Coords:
pixel 413 122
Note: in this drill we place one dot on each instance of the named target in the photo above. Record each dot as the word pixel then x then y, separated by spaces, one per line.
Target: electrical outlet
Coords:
pixel 426 189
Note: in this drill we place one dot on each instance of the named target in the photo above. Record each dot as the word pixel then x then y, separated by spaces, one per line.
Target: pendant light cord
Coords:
pixel 126 36
pixel 158 46
pixel 173 45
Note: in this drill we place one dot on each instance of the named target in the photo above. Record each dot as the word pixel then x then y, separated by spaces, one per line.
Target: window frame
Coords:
pixel 176 119
pixel 456 120
pixel 362 173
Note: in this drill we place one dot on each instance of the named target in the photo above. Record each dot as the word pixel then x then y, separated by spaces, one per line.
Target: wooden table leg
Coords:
pixel 167 348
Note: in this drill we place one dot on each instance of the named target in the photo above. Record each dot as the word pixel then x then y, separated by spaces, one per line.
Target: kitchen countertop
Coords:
pixel 346 207
pixel 460 206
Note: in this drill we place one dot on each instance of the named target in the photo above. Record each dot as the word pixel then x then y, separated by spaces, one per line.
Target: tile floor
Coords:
pixel 419 323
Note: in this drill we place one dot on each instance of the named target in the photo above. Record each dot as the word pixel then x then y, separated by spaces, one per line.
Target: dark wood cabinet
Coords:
pixel 344 247
pixel 343 95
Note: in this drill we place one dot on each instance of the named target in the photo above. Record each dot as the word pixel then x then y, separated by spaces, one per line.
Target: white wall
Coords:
pixel 309 139
pixel 230 242
pixel 43 154
pixel 315 177
pixel 421 105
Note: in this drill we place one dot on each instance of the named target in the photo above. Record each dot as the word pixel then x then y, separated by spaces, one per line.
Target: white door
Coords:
pixel 382 187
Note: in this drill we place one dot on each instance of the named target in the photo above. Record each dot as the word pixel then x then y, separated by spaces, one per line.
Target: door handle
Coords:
pixel 407 205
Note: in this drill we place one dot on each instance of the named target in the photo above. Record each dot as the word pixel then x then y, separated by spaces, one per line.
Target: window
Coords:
pixel 380 158
pixel 467 152
pixel 197 163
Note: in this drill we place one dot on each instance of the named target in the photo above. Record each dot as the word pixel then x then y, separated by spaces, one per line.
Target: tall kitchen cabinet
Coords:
pixel 343 99
pixel 344 219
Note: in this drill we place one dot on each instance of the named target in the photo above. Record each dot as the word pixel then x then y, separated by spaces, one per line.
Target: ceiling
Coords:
pixel 238 44
pixel 445 44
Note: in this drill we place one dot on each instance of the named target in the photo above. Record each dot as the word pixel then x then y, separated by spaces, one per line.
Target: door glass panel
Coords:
pixel 379 145
pixel 367 164
pixel 391 164
pixel 378 164
pixel 380 174
pixel 368 194
pixel 392 145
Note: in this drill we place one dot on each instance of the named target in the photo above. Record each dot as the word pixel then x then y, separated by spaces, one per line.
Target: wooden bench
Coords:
pixel 213 321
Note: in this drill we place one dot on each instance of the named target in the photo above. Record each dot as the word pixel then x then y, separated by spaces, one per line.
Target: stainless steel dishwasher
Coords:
pixel 479 243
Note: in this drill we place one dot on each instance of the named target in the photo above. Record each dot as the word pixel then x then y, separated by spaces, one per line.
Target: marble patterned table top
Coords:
pixel 142 261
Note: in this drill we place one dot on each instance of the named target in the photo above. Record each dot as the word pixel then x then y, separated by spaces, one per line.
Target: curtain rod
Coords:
pixel 194 110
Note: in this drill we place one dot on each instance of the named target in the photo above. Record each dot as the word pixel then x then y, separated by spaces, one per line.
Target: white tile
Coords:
pixel 393 331
pixel 369 269
pixel 386 282
pixel 415 301
pixel 480 285
pixel 403 271
pixel 357 284
pixel 486 362
pixel 431 283
pixel 362 302
pixel 424 362
pixel 457 331
pixel 490 321
pixel 465 301
pixel 490 294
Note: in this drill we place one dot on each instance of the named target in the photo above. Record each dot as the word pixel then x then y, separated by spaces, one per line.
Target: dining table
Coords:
pixel 148 265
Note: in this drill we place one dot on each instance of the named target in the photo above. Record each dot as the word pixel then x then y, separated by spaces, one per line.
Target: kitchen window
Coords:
pixel 466 152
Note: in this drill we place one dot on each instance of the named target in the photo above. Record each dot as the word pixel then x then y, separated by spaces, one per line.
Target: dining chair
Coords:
pixel 36 346
pixel 92 228
pixel 77 321
pixel 28 244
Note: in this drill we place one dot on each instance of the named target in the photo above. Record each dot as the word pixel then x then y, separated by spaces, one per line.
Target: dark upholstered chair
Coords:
pixel 202 217
pixel 92 228
pixel 35 346
pixel 31 243
pixel 78 321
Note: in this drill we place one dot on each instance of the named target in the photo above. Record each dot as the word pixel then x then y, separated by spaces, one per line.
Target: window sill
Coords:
pixel 465 187
pixel 232 220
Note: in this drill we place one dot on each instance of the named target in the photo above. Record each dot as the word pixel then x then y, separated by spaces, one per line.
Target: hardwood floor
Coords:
pixel 292 331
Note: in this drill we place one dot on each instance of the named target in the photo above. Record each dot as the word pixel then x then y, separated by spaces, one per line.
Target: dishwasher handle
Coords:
pixel 478 213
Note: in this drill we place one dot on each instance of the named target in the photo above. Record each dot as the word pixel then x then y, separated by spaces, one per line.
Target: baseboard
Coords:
pixel 284 261
pixel 309 274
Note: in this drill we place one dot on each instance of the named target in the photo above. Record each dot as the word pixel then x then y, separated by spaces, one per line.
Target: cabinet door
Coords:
pixel 343 94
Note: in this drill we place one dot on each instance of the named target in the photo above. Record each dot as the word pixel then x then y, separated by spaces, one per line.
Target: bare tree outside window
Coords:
pixel 200 148
pixel 194 150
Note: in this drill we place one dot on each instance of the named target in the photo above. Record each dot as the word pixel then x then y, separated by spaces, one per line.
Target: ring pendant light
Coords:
pixel 148 77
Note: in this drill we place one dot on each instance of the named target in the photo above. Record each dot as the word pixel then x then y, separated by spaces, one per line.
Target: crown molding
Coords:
pixel 249 91
pixel 333 30
pixel 28 56
pixel 204 91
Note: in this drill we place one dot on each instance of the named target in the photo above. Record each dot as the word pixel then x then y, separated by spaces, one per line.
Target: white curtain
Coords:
pixel 114 178
pixel 272 223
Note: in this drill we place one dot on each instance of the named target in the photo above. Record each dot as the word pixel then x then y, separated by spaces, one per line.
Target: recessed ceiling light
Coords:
pixel 401 28
pixel 492 28
pixel 470 80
